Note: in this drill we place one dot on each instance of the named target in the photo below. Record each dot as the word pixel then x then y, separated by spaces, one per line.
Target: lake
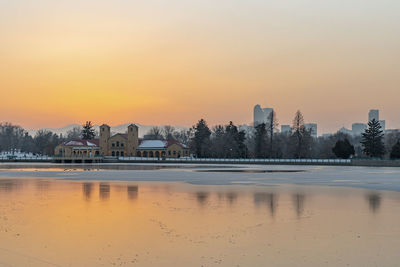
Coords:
pixel 155 215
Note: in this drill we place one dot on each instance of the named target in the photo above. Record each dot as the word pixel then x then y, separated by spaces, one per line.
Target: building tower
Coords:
pixel 261 115
pixel 373 114
pixel 133 139
pixel 104 137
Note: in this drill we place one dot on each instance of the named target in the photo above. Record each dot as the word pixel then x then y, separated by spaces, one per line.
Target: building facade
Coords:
pixel 261 115
pixel 121 145
pixel 313 128
pixel 162 149
pixel 373 114
pixel 358 128
pixel 78 148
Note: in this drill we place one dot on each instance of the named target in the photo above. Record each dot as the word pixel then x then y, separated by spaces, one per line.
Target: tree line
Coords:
pixel 265 141
pixel 231 141
pixel 14 137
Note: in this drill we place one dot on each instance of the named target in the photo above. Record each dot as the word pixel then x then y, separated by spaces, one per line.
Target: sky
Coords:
pixel 174 62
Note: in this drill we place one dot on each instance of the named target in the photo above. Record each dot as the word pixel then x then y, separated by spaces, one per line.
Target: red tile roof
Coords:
pixel 82 142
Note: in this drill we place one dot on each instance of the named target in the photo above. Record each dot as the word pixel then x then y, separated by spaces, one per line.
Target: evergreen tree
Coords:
pixel 343 149
pixel 395 153
pixel 218 142
pixel 201 139
pixel 88 132
pixel 372 140
pixel 234 142
pixel 261 141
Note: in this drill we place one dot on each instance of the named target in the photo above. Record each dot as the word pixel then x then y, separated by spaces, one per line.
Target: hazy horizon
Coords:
pixel 174 62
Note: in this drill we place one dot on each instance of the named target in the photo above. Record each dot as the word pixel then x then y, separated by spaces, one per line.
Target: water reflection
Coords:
pixel 87 189
pixel 132 192
pixel 42 186
pixel 374 200
pixel 266 199
pixel 229 197
pixel 9 185
pixel 202 197
pixel 104 191
pixel 298 202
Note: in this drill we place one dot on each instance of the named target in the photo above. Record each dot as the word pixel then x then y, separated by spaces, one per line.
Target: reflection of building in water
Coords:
pixel 231 196
pixel 104 191
pixel 132 192
pixel 202 197
pixel 298 201
pixel 267 199
pixel 10 185
pixel 374 200
pixel 42 186
pixel 87 190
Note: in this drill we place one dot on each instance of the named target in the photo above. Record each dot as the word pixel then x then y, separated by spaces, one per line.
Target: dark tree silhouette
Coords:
pixel 395 153
pixel 343 149
pixel 260 141
pixel 88 132
pixel 272 125
pixel 201 139
pixel 372 140
pixel 301 137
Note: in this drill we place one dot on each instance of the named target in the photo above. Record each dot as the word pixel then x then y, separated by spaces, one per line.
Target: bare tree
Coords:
pixel 155 133
pixel 272 126
pixel 74 133
pixel 168 132
pixel 301 137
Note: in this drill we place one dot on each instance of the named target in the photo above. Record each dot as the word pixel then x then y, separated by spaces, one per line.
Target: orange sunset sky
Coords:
pixel 174 62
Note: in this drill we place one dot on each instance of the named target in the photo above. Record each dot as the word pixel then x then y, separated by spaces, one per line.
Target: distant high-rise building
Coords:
pixel 383 124
pixel 373 114
pixel 313 128
pixel 261 115
pixel 286 129
pixel 358 128
pixel 345 131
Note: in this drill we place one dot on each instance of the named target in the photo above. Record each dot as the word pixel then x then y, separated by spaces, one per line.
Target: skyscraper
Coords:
pixel 313 128
pixel 373 114
pixel 358 128
pixel 261 115
pixel 286 129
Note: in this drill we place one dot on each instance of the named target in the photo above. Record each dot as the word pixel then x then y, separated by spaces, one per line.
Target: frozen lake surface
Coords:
pixel 170 215
pixel 363 177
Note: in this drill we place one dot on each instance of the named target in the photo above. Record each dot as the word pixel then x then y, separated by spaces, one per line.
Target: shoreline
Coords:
pixel 202 161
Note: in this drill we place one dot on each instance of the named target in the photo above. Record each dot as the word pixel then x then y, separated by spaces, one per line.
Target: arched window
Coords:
pixel 113 154
pixel 117 143
pixel 157 154
pixel 122 153
pixel 117 153
pixel 151 154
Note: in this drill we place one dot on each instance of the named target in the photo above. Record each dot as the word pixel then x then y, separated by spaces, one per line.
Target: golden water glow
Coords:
pixel 84 223
pixel 174 62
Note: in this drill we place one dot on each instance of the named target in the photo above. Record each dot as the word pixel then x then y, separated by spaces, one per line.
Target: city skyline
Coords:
pixel 155 63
